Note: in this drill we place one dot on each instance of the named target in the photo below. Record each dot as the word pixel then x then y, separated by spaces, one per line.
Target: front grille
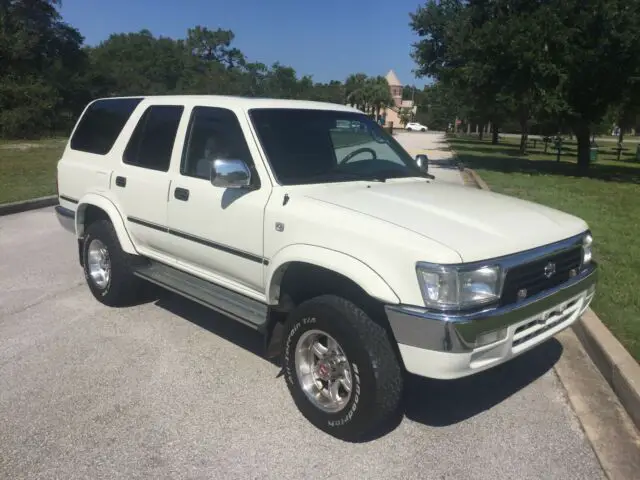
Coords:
pixel 531 276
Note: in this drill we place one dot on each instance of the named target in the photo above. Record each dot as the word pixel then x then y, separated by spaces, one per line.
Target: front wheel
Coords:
pixel 340 367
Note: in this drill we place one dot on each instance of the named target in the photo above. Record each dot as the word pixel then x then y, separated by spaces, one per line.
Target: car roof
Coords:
pixel 239 101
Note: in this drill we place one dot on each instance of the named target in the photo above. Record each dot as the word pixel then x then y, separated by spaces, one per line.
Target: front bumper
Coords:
pixel 439 345
pixel 66 218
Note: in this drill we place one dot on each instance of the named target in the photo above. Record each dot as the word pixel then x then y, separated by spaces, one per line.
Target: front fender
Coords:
pixel 346 265
pixel 112 211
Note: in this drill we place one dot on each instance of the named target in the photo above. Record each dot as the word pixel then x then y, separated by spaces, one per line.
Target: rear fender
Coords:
pixel 112 211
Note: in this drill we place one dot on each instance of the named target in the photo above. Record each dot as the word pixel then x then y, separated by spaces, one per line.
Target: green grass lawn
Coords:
pixel 607 197
pixel 28 169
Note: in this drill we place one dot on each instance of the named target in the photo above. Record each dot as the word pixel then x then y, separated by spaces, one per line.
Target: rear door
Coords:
pixel 86 164
pixel 141 180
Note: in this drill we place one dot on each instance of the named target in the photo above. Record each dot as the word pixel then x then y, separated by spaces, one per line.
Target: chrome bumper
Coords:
pixel 66 218
pixel 457 333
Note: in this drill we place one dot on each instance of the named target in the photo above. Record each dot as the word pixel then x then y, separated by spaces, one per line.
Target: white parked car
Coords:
pixel 352 263
pixel 416 127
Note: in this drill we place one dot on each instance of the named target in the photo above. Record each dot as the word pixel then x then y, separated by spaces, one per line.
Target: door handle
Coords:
pixel 121 181
pixel 181 194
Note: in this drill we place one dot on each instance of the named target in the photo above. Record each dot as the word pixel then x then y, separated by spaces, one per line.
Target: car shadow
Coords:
pixel 235 332
pixel 446 163
pixel 435 403
pixel 440 403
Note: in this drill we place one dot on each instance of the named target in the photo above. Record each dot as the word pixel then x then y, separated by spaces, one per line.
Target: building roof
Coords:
pixel 392 79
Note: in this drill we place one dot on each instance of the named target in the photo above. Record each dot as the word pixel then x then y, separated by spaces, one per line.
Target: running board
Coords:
pixel 244 309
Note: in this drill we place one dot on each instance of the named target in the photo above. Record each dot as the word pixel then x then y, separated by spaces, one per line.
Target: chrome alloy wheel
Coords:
pixel 99 264
pixel 323 371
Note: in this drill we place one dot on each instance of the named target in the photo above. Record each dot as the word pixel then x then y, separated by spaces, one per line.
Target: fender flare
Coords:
pixel 112 211
pixel 350 267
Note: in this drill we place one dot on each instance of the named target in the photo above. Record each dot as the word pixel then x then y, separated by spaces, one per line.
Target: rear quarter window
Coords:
pixel 101 124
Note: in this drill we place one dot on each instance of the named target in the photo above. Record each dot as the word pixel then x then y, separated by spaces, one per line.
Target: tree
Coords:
pixel 47 76
pixel 448 51
pixel 528 58
pixel 355 93
pixel 42 63
pixel 597 51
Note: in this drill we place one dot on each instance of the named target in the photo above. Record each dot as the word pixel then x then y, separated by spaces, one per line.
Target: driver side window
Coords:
pixel 213 133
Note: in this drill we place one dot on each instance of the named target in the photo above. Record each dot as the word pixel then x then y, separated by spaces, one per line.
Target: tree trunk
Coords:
pixel 468 128
pixel 584 143
pixel 494 134
pixel 621 135
pixel 524 124
pixel 481 132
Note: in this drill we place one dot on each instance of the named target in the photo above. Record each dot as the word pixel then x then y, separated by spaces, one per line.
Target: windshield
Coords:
pixel 320 146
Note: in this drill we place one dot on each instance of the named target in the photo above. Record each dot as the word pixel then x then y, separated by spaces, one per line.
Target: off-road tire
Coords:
pixel 377 380
pixel 123 287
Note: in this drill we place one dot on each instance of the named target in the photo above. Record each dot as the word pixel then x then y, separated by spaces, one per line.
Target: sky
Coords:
pixel 328 40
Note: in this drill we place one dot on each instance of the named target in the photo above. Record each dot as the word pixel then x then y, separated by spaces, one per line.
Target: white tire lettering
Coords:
pixel 356 398
pixel 289 374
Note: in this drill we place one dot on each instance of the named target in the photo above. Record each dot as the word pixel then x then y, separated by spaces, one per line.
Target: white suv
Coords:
pixel 334 243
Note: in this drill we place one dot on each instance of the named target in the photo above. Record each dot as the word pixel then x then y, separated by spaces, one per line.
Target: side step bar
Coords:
pixel 246 310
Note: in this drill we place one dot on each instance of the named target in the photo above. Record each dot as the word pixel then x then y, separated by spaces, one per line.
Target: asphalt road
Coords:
pixel 168 389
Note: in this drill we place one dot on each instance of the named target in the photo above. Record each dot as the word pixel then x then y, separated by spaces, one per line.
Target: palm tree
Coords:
pixel 354 90
pixel 378 94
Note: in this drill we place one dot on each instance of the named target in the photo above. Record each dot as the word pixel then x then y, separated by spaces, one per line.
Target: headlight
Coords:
pixel 453 288
pixel 587 241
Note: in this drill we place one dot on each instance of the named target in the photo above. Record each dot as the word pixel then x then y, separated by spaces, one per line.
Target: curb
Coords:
pixel 610 357
pixel 615 363
pixel 31 204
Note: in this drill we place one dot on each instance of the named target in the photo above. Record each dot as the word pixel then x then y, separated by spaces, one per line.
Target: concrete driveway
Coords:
pixel 435 146
pixel 168 389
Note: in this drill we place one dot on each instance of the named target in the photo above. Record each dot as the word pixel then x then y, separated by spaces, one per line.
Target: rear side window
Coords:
pixel 101 124
pixel 151 143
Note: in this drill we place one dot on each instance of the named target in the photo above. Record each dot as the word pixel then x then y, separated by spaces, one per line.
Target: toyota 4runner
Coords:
pixel 309 223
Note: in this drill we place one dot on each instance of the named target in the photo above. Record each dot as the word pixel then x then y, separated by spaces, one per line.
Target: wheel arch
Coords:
pixel 333 273
pixel 311 257
pixel 93 206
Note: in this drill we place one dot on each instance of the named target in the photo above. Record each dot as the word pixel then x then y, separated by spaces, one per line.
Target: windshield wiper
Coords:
pixel 387 174
pixel 359 176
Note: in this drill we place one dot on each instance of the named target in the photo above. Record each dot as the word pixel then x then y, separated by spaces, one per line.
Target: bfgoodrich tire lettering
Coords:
pixel 376 377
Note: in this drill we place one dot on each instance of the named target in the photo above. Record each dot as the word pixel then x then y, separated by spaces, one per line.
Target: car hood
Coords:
pixel 477 224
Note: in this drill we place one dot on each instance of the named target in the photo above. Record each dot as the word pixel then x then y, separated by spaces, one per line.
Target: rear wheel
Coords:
pixel 340 367
pixel 108 270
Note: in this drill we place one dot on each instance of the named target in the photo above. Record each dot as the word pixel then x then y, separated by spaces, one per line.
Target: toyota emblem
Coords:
pixel 550 270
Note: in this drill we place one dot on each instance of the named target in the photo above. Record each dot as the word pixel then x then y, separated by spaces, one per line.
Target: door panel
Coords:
pixel 141 182
pixel 217 231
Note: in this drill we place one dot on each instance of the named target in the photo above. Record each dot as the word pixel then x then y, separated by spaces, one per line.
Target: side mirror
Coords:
pixel 230 174
pixel 423 162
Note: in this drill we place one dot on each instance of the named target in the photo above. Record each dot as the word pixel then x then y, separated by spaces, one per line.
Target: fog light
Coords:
pixel 491 337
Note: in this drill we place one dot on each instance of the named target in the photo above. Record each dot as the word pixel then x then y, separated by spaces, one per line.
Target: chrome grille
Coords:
pixel 531 276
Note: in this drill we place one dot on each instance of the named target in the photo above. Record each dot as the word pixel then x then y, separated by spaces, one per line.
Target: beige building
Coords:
pixel 392 113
